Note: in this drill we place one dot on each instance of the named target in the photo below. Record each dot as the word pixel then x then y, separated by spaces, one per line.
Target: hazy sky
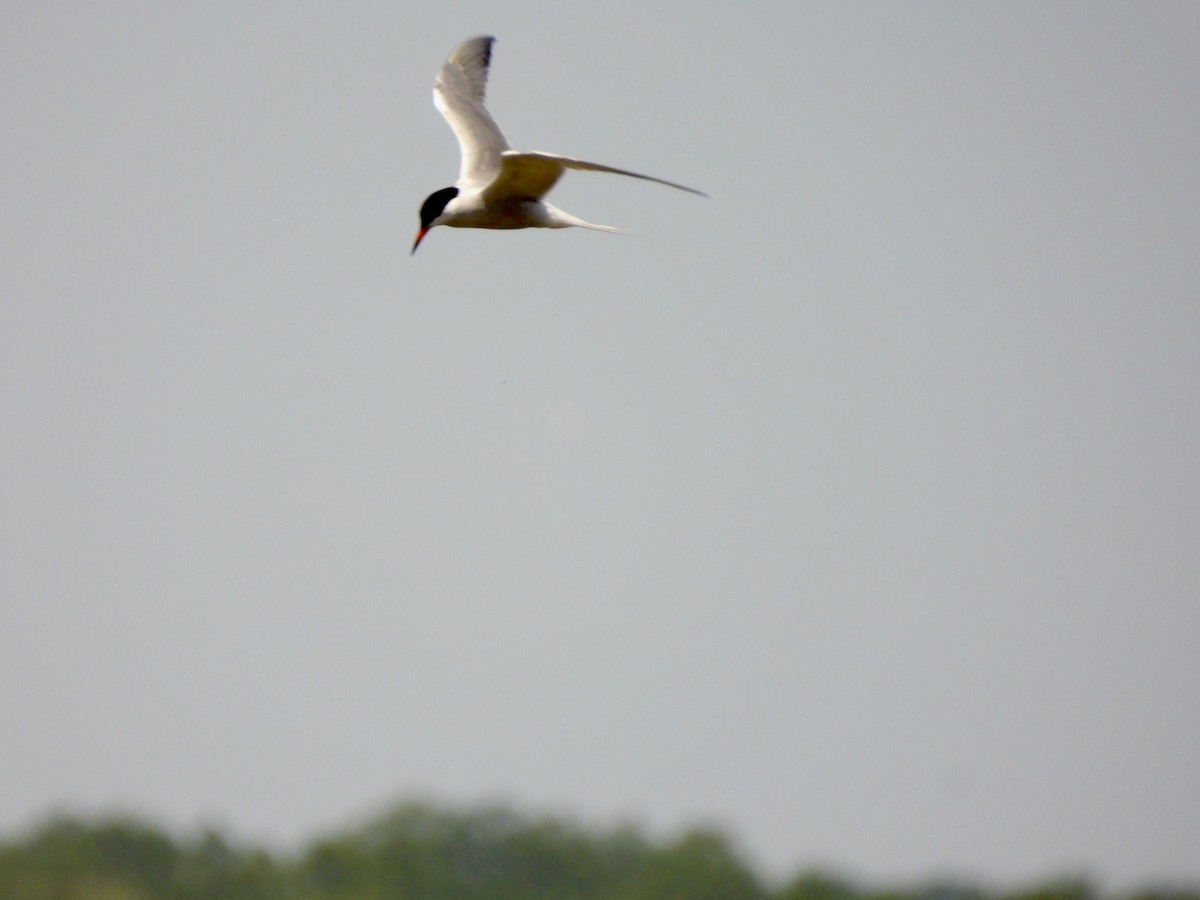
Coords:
pixel 856 508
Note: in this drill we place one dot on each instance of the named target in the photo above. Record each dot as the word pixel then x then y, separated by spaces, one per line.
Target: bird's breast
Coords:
pixel 513 214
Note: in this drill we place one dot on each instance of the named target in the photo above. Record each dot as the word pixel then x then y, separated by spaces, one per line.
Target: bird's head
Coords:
pixel 431 211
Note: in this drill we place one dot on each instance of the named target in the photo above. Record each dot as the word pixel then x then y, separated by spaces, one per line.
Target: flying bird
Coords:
pixel 497 187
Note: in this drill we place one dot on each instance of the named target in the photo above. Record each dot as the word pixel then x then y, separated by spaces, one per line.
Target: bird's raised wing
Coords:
pixel 531 175
pixel 458 94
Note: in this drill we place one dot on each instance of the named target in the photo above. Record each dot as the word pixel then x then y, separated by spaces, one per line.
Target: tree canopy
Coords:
pixel 418 850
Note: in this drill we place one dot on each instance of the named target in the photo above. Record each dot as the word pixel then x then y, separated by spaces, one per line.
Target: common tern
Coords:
pixel 497 187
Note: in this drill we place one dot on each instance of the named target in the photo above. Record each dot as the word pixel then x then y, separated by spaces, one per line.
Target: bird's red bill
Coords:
pixel 420 234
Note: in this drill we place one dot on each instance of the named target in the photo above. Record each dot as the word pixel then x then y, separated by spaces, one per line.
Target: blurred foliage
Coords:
pixel 433 853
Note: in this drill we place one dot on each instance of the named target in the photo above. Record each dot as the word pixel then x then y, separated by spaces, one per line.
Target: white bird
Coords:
pixel 497 187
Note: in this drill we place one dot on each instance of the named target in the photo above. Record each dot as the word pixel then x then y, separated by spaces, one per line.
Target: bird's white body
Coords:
pixel 497 187
pixel 474 209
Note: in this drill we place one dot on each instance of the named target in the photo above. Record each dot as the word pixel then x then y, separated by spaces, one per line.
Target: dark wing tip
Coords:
pixel 480 47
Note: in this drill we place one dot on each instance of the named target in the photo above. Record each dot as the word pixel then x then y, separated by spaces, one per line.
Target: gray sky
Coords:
pixel 856 508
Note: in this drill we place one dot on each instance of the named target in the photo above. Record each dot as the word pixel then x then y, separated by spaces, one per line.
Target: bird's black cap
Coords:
pixel 433 206
pixel 435 203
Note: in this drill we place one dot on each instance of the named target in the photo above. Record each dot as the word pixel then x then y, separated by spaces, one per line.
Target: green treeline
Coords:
pixel 432 853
